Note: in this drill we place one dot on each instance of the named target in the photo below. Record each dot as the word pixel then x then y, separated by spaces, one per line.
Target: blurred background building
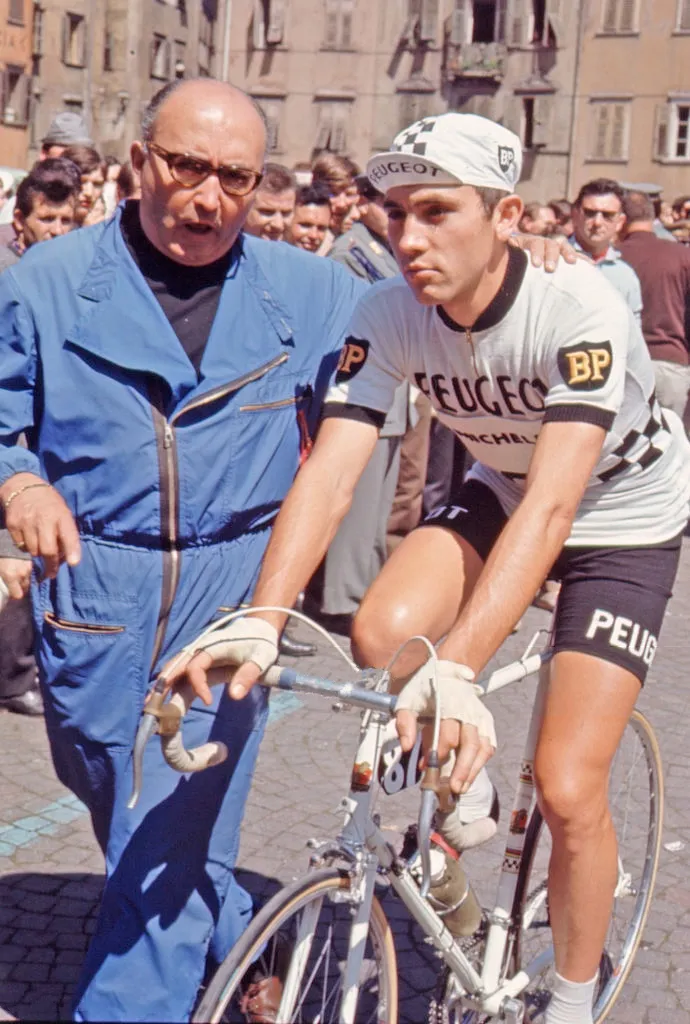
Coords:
pixel 593 87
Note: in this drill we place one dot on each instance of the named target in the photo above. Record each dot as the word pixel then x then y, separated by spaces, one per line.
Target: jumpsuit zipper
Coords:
pixel 170 486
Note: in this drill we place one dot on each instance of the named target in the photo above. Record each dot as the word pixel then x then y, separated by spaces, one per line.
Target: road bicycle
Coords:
pixel 327 935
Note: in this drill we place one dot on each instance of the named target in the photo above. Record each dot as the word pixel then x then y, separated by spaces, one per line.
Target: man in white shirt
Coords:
pixel 598 220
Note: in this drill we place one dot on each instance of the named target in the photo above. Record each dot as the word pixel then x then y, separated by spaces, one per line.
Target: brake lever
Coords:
pixel 149 725
pixel 436 792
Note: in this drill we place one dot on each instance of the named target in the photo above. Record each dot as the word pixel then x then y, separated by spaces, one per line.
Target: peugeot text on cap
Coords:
pixel 450 149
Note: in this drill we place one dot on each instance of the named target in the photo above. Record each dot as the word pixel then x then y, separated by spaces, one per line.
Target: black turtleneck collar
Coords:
pixel 502 301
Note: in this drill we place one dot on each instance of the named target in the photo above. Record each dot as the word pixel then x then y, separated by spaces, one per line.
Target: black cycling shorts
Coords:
pixel 612 600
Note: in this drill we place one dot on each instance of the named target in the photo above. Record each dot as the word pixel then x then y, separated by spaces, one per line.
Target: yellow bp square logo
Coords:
pixel 352 359
pixel 587 365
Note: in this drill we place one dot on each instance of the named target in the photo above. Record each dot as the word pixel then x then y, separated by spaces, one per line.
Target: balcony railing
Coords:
pixel 477 60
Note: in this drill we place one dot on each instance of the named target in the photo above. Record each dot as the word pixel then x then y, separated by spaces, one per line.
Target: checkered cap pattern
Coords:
pixel 638 450
pixel 415 138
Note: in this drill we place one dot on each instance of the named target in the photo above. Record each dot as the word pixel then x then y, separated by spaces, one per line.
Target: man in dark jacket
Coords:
pixel 664 271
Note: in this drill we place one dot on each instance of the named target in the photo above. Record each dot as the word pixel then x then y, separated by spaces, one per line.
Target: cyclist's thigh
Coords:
pixel 606 629
pixel 427 579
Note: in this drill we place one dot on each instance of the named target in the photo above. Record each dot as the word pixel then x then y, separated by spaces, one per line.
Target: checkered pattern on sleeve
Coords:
pixel 640 448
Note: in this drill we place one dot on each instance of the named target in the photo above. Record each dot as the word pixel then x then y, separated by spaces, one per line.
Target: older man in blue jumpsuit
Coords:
pixel 163 367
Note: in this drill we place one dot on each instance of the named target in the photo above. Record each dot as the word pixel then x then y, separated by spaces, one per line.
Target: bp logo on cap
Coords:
pixel 506 157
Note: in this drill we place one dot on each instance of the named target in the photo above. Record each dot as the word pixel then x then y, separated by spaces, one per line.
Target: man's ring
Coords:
pixel 21 545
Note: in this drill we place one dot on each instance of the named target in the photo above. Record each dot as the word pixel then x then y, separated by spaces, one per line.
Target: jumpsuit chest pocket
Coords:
pixel 270 422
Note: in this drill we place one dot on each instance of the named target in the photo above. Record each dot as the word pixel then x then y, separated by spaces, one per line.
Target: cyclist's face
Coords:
pixel 443 239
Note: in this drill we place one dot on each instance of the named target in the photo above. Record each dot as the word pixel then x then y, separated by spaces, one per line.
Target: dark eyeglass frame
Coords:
pixel 591 214
pixel 205 169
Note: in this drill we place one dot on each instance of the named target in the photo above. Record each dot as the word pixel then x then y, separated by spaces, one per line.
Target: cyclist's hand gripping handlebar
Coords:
pixel 243 640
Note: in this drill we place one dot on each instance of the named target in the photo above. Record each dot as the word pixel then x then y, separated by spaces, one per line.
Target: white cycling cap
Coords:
pixel 450 149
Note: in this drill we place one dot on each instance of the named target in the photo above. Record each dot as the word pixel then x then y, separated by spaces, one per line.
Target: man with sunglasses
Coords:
pixel 166 369
pixel 598 220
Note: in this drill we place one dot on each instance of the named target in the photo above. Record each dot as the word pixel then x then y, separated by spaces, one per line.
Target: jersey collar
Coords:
pixel 502 301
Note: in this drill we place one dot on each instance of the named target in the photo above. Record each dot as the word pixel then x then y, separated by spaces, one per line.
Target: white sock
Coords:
pixel 571 1001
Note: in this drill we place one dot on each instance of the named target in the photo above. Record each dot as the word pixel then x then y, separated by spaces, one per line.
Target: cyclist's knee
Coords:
pixel 379 629
pixel 573 802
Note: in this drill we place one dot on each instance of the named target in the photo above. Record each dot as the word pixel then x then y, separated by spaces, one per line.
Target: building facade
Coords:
pixel 593 87
pixel 15 68
pixel 633 94
pixel 106 58
pixel 346 75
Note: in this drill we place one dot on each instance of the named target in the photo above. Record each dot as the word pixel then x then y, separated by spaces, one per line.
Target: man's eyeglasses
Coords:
pixel 189 172
pixel 589 214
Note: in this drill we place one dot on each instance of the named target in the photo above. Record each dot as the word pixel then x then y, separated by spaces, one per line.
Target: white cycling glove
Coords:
pixel 458 695
pixel 246 639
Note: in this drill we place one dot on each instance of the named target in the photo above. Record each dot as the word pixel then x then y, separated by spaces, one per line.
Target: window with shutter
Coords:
pixel 37 31
pixel 160 60
pixel 459 23
pixel 610 130
pixel 338 32
pixel 661 131
pixel 682 136
pixel 619 16
pixel 683 16
pixel 617 147
pixel 518 32
pixel 273 113
pixel 276 22
pixel 428 22
pixel 15 99
pixel 339 134
pixel 500 18
pixel 556 12
pixel 610 18
pixel 16 12
pixel 627 16
pixel 601 130
pixel 73 40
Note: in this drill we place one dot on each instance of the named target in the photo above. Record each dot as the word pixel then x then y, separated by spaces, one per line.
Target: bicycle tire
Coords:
pixel 640 742
pixel 275 918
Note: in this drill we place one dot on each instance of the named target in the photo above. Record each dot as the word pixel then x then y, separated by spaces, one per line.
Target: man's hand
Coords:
pixel 545 251
pixel 467 726
pixel 15 573
pixel 40 522
pixel 250 643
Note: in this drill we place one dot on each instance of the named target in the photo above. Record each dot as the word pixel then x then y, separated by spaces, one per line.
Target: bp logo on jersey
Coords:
pixel 352 359
pixel 587 365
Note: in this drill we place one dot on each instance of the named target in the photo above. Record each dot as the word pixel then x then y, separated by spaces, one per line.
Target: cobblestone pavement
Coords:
pixel 51 869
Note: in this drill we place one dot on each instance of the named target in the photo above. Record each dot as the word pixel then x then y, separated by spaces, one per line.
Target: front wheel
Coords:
pixel 636 801
pixel 303 935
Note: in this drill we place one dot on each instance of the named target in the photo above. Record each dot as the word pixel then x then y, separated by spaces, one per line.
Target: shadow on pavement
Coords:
pixel 46 921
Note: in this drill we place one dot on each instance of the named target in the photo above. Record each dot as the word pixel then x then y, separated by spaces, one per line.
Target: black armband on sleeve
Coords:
pixel 344 411
pixel 580 413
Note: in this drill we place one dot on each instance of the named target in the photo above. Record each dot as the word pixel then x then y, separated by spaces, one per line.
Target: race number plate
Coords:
pixel 398 771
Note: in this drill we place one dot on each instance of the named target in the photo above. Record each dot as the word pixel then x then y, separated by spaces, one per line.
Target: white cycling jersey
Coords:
pixel 561 346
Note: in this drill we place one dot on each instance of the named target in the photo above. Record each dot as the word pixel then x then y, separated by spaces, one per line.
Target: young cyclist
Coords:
pixel 579 474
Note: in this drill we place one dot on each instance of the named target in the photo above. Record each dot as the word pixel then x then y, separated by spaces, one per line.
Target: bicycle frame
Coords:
pixel 364 845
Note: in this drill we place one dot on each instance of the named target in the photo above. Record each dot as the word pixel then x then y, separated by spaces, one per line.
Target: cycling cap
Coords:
pixel 450 149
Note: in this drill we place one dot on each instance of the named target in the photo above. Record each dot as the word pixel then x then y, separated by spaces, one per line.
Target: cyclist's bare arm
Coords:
pixel 564 458
pixel 307 522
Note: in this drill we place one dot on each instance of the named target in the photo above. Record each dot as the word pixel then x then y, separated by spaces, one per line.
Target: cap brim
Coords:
pixel 393 168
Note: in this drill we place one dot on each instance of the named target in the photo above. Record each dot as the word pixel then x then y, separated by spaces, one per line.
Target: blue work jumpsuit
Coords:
pixel 174 483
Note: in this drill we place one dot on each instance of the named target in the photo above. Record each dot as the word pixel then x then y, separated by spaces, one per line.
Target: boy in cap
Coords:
pixel 547 380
